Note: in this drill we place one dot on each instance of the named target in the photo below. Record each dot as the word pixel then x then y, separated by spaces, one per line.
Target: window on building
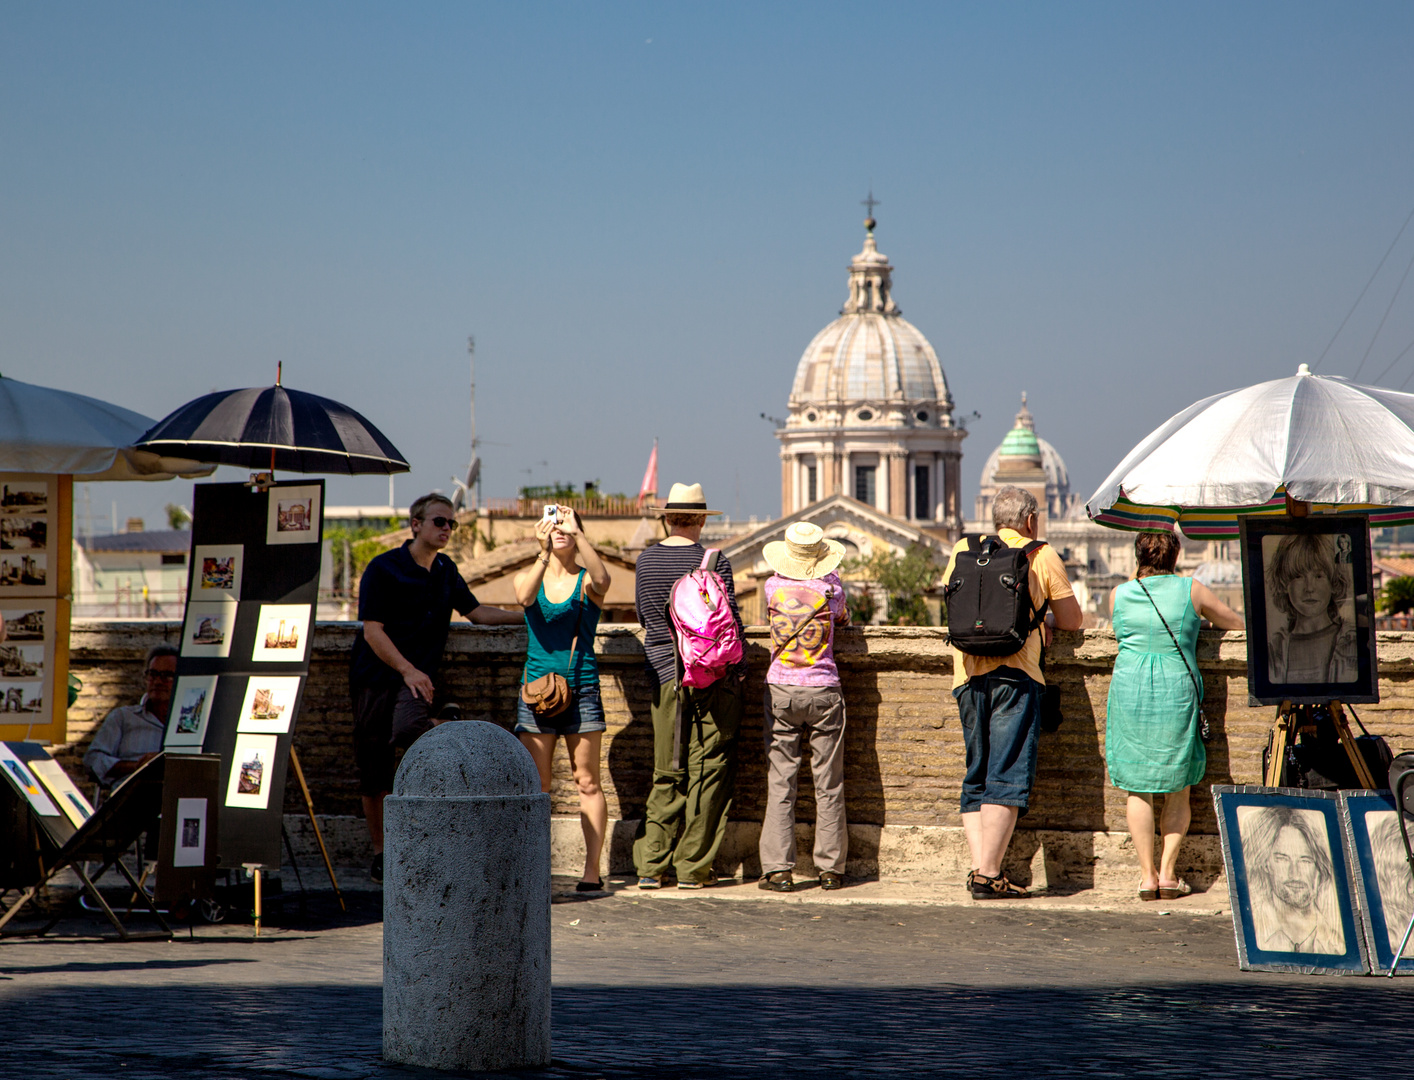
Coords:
pixel 810 495
pixel 864 484
pixel 922 494
pixel 177 559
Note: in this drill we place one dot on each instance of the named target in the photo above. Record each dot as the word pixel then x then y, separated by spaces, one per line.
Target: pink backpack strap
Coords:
pixel 709 559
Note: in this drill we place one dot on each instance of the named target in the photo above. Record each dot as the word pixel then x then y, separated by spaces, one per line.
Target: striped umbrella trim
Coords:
pixel 1222 522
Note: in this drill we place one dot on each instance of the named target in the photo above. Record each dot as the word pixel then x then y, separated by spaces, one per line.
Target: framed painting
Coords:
pixel 1293 908
pixel 1310 610
pixel 29 535
pixel 1383 879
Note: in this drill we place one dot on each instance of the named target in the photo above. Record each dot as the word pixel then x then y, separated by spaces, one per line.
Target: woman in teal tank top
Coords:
pixel 1152 740
pixel 562 602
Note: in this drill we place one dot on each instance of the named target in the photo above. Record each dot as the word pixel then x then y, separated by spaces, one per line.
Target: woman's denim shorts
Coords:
pixel 584 715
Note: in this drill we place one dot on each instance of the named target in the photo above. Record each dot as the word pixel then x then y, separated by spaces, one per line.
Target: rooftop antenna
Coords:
pixel 473 470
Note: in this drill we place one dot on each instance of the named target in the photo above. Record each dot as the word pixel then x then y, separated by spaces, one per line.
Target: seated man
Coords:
pixel 131 735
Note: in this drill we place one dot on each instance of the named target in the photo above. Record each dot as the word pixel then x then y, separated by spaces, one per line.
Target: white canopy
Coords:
pixel 43 430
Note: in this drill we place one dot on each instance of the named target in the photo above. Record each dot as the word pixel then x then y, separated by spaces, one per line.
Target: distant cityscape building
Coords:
pixel 870 415
pixel 1028 461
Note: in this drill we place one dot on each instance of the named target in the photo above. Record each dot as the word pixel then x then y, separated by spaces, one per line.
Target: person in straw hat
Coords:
pixel 694 729
pixel 806 601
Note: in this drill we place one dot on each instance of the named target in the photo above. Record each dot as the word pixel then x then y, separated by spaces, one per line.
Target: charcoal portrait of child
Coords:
pixel 1311 632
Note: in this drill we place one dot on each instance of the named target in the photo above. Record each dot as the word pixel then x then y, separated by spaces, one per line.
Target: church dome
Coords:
pixel 1022 441
pixel 871 364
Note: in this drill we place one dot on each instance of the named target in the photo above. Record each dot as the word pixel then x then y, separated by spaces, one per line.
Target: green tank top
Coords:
pixel 553 628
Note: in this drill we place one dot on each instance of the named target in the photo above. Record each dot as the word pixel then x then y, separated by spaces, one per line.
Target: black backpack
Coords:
pixel 989 597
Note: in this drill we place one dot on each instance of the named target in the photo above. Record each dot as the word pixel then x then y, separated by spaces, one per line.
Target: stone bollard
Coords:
pixel 466 904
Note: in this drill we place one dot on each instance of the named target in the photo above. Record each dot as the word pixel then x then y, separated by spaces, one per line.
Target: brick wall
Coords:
pixel 904 755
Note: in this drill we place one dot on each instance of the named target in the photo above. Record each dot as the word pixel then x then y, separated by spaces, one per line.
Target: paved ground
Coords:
pixel 679 984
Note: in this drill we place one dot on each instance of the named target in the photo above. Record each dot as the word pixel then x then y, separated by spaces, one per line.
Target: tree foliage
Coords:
pixel 904 578
pixel 178 517
pixel 362 546
pixel 1397 596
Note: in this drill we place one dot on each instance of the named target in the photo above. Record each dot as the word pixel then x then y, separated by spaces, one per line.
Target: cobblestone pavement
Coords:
pixel 676 985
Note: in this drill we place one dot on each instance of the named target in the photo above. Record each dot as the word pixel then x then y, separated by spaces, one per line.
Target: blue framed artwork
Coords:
pixel 1293 907
pixel 1383 880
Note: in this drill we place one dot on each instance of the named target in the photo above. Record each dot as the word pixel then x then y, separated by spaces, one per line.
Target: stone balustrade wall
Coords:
pixel 904 753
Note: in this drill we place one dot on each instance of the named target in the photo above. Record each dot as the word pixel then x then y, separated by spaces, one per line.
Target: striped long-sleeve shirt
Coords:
pixel 654 573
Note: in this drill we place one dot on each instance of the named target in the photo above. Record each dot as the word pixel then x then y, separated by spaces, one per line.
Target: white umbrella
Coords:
pixel 1321 440
pixel 43 430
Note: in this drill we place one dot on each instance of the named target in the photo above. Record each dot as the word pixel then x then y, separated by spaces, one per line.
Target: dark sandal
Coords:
pixel 995 888
pixel 590 886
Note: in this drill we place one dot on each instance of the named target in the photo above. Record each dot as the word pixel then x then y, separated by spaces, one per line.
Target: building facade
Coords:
pixel 870 415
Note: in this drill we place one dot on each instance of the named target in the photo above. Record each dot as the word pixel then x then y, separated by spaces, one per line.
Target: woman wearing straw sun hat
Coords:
pixel 694 729
pixel 806 601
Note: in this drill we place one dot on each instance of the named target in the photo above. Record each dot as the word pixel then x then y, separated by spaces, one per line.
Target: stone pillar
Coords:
pixel 952 491
pixel 846 475
pixel 898 484
pixel 787 495
pixel 466 904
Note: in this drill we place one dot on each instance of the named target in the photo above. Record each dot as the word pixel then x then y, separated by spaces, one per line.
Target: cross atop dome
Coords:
pixel 869 205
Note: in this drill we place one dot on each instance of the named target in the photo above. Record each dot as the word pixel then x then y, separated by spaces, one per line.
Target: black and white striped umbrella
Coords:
pixel 272 427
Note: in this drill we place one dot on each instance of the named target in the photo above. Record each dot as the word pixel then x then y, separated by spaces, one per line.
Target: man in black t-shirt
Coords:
pixel 694 730
pixel 405 601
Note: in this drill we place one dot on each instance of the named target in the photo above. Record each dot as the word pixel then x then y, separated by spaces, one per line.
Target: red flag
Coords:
pixel 649 488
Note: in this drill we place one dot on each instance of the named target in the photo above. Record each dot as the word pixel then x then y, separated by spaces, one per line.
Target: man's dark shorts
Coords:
pixel 385 719
pixel 1000 714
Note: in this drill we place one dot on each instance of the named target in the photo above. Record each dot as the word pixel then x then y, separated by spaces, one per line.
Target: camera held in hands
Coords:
pixel 552 513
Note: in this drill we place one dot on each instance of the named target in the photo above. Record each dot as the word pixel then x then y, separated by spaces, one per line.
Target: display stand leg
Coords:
pixel 1276 761
pixel 299 878
pixel 1347 740
pixel 147 899
pixel 255 877
pixel 25 897
pixel 318 836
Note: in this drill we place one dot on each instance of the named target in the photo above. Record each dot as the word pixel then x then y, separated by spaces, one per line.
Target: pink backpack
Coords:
pixel 703 625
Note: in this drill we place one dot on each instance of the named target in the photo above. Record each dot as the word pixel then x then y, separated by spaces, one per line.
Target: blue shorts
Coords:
pixel 1001 714
pixel 584 716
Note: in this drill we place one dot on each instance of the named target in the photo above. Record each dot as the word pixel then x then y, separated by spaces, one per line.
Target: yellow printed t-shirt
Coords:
pixel 1048 582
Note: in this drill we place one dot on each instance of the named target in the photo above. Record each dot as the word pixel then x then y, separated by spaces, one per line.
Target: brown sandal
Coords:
pixel 994 888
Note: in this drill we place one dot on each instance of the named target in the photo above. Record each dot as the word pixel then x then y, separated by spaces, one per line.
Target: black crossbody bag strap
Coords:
pixel 1197 686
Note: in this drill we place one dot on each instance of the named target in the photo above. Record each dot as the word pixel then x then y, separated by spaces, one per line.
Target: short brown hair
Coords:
pixel 1157 552
pixel 418 509
pixel 684 521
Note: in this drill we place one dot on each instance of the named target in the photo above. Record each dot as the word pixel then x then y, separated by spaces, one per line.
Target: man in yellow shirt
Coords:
pixel 999 700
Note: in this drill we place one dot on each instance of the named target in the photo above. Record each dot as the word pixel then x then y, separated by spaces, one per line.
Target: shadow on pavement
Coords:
pixel 1249 1026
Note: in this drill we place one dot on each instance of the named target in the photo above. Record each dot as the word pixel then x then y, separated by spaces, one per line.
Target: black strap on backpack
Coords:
pixel 990 610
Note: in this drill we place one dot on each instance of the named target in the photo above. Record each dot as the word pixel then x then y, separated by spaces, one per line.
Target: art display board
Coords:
pixel 36 554
pixel 252 589
pixel 1310 609
pixel 57 806
pixel 1383 882
pixel 188 844
pixel 1294 907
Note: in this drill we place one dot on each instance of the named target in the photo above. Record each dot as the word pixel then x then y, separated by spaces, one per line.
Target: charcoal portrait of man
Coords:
pixel 1291 880
pixel 1393 879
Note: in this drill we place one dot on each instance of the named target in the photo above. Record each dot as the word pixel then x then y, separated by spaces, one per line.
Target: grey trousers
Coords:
pixel 791 713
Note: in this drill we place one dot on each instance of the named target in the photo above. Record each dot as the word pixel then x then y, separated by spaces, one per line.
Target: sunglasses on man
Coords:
pixel 443 522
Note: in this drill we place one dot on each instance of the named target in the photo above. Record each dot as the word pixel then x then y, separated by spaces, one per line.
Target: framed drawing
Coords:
pixel 252 771
pixel 282 633
pixel 1310 609
pixel 28 535
pixel 69 798
pixel 269 706
pixel 190 848
pixel 190 712
pixel 17 772
pixel 216 571
pixel 208 628
pixel 1383 879
pixel 1292 905
pixel 294 516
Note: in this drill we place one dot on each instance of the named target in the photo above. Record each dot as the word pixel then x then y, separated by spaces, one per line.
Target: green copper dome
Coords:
pixel 1020 442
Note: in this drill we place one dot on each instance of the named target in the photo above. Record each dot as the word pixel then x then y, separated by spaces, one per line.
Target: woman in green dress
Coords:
pixel 1152 740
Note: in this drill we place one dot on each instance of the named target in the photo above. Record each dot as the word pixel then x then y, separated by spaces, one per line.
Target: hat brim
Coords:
pixel 661 510
pixel 778 557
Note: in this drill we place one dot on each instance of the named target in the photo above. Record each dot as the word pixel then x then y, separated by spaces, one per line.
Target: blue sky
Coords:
pixel 644 212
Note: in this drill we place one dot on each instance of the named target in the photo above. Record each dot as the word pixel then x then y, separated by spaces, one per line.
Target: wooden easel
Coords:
pixel 1291 719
